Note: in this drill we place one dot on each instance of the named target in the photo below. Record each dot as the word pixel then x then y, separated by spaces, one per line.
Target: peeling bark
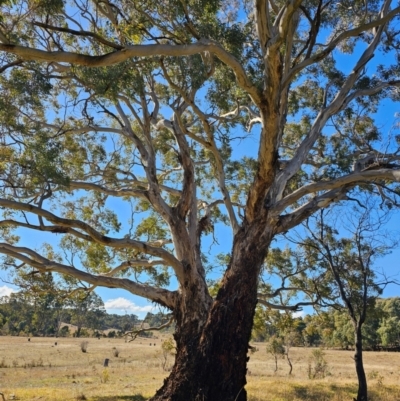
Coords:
pixel 211 360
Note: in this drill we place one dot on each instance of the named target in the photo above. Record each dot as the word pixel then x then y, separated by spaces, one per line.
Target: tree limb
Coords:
pixel 297 307
pixel 117 243
pixel 290 220
pixel 132 263
pixel 335 106
pixel 153 50
pixel 79 33
pixel 9 65
pixel 362 176
pixel 111 192
pixel 344 35
pixel 159 295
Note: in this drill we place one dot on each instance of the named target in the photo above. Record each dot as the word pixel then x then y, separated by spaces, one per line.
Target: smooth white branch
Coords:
pixel 96 236
pixel 164 297
pixel 151 50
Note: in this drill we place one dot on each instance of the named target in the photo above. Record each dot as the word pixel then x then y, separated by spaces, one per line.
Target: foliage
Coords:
pixel 87 310
pixel 168 345
pixel 168 348
pixel 318 366
pixel 24 313
pixel 389 329
pixel 332 328
pixel 156 319
pixel 105 376
pixel 275 347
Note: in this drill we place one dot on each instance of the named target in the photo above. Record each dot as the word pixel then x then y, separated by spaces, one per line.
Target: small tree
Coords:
pixel 85 306
pixel 168 349
pixel 347 266
pixel 289 340
pixel 317 366
pixel 276 348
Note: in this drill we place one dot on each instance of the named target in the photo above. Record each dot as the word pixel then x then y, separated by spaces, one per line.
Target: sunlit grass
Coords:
pixel 39 370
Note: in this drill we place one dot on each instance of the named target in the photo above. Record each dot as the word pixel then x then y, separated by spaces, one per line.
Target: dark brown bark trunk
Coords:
pixel 211 362
pixel 362 394
pixel 290 364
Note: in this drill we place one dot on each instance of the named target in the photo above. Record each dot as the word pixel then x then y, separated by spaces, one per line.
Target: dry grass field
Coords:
pixel 40 370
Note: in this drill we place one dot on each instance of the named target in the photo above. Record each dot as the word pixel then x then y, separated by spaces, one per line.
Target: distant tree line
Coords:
pixel 333 328
pixel 157 319
pixel 43 309
pixel 46 317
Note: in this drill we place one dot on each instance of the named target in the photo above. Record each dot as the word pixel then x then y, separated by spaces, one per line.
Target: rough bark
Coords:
pixel 211 359
pixel 362 394
pixel 78 331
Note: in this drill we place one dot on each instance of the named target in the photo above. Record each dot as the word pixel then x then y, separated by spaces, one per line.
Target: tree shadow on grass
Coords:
pixel 310 394
pixel 136 397
pixel 323 392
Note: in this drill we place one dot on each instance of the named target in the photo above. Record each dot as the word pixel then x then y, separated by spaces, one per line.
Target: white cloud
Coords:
pixel 6 291
pixel 299 314
pixel 123 304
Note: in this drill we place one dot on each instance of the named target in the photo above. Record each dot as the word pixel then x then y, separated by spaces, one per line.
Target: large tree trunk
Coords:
pixel 211 362
pixel 362 394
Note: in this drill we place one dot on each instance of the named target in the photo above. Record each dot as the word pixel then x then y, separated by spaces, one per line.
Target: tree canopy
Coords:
pixel 131 129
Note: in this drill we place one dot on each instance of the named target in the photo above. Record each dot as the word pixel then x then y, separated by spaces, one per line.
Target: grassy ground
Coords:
pixel 40 370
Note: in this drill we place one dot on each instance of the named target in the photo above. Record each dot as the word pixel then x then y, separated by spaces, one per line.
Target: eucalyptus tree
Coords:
pixel 87 310
pixel 348 267
pixel 389 330
pixel 131 129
